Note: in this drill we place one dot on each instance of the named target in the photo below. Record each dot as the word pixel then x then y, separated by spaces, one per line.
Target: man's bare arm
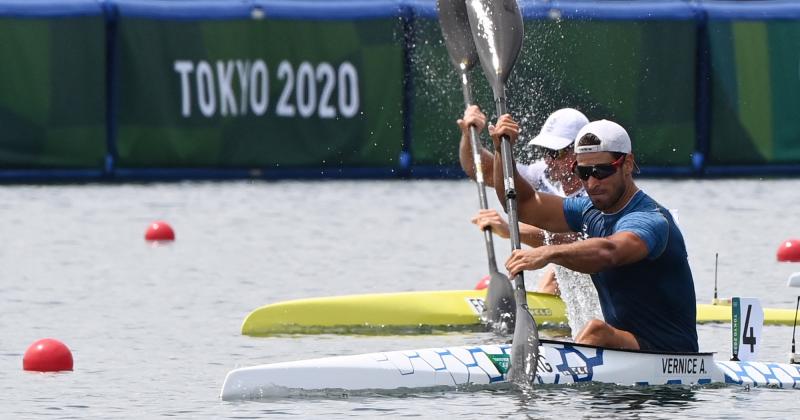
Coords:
pixel 528 234
pixel 589 256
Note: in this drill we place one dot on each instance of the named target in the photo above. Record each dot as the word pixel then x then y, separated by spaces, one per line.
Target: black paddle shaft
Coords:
pixel 508 183
pixel 479 177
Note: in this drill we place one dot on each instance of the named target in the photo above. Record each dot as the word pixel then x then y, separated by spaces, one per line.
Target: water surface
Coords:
pixel 154 330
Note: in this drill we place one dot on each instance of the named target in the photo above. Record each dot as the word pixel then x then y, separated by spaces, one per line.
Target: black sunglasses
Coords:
pixel 599 171
pixel 556 154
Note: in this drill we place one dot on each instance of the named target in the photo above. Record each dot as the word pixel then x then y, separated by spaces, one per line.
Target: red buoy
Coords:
pixel 789 251
pixel 483 283
pixel 159 231
pixel 47 355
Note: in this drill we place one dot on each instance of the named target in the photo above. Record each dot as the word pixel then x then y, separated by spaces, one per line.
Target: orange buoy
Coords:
pixel 483 283
pixel 789 251
pixel 47 355
pixel 159 231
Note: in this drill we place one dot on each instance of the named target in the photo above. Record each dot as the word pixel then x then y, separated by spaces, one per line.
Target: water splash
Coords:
pixel 538 86
pixel 578 294
pixel 580 297
pixel 558 186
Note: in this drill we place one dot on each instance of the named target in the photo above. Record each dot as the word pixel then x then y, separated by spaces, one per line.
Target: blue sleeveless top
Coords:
pixel 653 298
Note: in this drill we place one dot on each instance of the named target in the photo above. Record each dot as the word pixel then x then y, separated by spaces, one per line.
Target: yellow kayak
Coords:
pixel 721 313
pixel 426 312
pixel 390 313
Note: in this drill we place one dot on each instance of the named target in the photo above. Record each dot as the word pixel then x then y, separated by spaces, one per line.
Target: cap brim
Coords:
pixel 550 141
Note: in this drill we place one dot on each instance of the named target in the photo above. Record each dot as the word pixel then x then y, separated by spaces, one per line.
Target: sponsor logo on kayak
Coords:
pixel 576 370
pixel 478 307
pixel 476 304
pixel 577 362
pixel 500 361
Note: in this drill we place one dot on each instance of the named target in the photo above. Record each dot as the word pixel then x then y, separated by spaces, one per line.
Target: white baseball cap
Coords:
pixel 560 129
pixel 613 138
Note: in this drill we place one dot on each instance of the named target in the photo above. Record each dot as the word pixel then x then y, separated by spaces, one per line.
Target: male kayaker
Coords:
pixel 552 175
pixel 634 251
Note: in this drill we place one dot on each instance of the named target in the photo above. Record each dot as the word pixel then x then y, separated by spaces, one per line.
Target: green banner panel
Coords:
pixel 755 87
pixel 640 74
pixel 259 93
pixel 52 93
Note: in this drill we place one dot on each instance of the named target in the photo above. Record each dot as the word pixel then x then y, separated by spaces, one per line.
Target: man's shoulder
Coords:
pixel 581 206
pixel 642 209
pixel 645 218
pixel 642 202
pixel 577 209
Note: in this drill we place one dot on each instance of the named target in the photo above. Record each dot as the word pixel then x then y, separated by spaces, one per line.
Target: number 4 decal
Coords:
pixel 749 339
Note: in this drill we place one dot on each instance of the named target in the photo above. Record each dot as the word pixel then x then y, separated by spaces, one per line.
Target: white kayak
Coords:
pixel 485 366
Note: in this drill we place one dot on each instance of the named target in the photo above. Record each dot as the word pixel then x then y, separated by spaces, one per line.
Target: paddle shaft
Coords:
pixel 510 191
pixel 479 180
pixel 525 344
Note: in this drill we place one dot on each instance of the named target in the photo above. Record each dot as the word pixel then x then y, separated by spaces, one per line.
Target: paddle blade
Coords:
pixel 497 32
pixel 457 36
pixel 499 307
pixel 525 347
